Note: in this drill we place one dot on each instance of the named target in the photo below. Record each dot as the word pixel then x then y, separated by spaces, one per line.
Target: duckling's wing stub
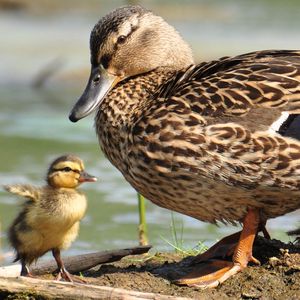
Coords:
pixel 26 191
pixel 233 86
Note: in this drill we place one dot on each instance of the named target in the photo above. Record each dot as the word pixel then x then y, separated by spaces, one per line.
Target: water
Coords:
pixel 34 127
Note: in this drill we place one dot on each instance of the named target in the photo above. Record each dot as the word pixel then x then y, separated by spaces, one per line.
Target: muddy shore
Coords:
pixel 278 277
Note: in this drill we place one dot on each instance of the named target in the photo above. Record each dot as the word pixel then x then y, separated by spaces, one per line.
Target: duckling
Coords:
pixel 51 214
pixel 199 139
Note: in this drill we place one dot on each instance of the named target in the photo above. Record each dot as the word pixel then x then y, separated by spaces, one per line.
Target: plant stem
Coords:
pixel 143 235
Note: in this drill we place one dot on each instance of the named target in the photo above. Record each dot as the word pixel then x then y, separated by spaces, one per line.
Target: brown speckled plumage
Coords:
pixel 195 139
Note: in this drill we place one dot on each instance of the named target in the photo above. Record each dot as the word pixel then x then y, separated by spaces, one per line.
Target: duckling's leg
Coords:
pixel 62 272
pixel 25 270
pixel 213 272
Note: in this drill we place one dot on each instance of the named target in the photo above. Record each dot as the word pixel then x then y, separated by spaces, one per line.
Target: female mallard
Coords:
pixel 195 138
pixel 50 216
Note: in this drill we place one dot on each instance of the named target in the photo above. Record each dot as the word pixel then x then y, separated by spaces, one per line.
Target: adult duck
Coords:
pixel 196 138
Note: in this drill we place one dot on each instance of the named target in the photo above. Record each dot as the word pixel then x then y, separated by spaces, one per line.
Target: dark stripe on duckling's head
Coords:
pixel 66 163
pixel 67 171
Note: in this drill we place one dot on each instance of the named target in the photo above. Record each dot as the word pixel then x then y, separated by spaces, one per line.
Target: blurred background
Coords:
pixel 44 66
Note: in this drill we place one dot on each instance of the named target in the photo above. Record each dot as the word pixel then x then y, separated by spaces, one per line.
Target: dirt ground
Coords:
pixel 277 278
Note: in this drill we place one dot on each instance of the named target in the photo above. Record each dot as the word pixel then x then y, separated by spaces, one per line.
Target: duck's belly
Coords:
pixel 182 188
pixel 211 200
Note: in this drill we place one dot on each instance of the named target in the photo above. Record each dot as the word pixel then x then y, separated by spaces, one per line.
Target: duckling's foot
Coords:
pixel 211 273
pixel 64 274
pixel 29 275
pixel 25 270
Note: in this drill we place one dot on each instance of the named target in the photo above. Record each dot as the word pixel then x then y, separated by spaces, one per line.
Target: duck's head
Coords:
pixel 129 41
pixel 67 171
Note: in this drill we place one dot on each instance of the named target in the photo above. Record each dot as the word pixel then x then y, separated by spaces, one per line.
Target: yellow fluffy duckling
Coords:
pixel 50 217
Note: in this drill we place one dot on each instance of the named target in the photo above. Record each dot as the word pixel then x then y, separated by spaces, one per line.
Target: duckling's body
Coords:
pixel 50 217
pixel 196 138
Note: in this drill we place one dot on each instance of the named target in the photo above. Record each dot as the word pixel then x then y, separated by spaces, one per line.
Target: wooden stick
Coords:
pixel 65 290
pixel 77 263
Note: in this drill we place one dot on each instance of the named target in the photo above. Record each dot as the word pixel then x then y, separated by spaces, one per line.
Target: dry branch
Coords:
pixel 77 263
pixel 65 290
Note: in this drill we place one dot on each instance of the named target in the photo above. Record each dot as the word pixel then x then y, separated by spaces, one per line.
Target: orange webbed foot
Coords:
pixel 212 272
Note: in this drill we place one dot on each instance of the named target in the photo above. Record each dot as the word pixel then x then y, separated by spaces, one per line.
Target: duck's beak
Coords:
pixel 85 177
pixel 99 84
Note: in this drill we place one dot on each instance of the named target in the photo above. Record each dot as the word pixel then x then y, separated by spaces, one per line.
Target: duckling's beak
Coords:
pixel 99 84
pixel 85 177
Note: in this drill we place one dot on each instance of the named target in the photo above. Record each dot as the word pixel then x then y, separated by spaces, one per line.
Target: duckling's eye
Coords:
pixel 121 39
pixel 67 169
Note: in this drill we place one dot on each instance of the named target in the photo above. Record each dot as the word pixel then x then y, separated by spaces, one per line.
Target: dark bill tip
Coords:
pixel 99 84
pixel 73 118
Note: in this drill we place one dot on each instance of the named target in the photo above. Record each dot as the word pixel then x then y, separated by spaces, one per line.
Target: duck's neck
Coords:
pixel 122 107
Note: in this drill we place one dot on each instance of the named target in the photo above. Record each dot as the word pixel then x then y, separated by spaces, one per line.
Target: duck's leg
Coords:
pixel 223 248
pixel 62 272
pixel 213 272
pixel 226 246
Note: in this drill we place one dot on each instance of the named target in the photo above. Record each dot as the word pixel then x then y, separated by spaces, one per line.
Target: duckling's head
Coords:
pixel 129 41
pixel 67 171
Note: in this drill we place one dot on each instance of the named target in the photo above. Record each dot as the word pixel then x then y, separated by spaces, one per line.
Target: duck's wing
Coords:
pixel 232 87
pixel 226 107
pixel 24 190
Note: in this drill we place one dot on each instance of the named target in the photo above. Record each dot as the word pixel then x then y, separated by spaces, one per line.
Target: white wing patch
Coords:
pixel 276 125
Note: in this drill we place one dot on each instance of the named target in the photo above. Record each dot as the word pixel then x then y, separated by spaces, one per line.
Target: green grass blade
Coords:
pixel 143 233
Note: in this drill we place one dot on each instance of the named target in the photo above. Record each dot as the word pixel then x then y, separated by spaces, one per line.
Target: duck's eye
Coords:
pixel 67 169
pixel 96 78
pixel 121 39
